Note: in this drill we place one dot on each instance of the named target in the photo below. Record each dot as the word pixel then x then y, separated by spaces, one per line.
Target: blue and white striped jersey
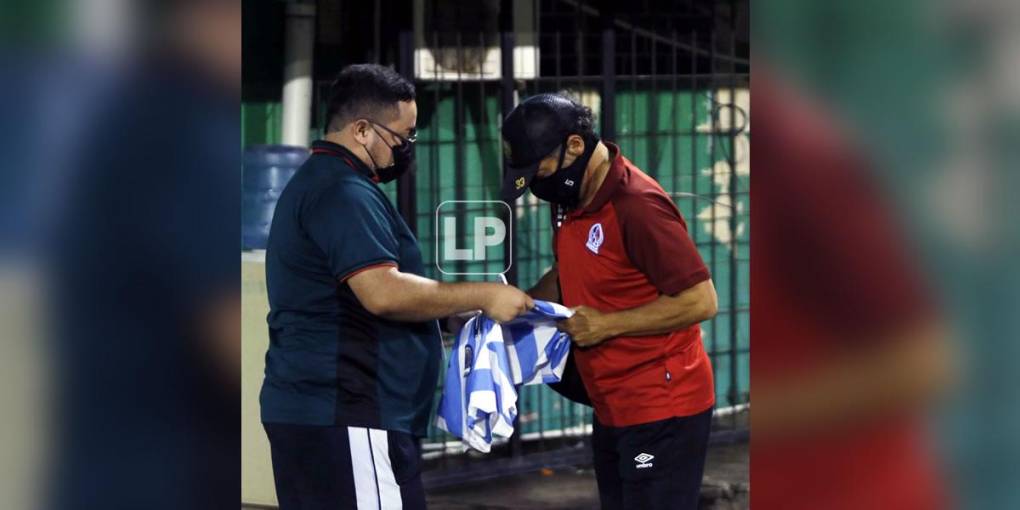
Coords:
pixel 489 360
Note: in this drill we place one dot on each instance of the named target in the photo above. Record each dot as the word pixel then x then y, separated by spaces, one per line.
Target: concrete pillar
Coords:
pixel 299 48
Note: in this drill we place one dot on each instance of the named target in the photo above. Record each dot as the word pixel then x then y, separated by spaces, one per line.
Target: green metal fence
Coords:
pixel 670 135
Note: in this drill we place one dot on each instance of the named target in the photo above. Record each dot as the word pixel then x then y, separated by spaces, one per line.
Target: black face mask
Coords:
pixel 564 187
pixel 403 158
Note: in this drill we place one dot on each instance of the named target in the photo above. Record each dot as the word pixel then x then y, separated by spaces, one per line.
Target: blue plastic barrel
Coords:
pixel 266 170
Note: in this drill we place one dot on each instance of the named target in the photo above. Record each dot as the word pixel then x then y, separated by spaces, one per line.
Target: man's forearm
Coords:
pixel 665 314
pixel 391 294
pixel 548 287
pixel 415 298
pixel 589 327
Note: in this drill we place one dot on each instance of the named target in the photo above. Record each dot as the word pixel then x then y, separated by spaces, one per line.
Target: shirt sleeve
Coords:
pixel 656 240
pixel 353 228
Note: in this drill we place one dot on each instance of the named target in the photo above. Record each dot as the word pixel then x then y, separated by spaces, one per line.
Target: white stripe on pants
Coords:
pixel 375 486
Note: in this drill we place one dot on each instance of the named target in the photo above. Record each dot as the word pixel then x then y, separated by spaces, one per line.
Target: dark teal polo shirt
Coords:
pixel 330 361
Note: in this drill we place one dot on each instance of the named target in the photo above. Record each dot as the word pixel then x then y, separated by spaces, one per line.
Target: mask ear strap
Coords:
pixel 375 166
pixel 563 154
pixel 381 136
pixel 557 210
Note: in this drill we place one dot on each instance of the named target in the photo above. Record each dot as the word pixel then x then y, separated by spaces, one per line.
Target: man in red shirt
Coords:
pixel 629 269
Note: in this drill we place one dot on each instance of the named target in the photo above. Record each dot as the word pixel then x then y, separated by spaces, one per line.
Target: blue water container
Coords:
pixel 266 170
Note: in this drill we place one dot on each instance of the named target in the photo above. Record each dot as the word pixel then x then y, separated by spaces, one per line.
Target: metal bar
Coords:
pixel 699 132
pixel 702 81
pixel 376 43
pixel 633 93
pixel 653 121
pixel 482 123
pixel 434 172
pixel 734 289
pixel 533 394
pixel 673 123
pixel 579 73
pixel 541 411
pixel 434 167
pixel 652 35
pixel 506 45
pixel 407 185
pixel 536 394
pixel 534 235
pixel 459 164
pixel 694 135
pixel 608 84
pixel 558 56
pixel 714 113
pixel 580 41
pixel 563 413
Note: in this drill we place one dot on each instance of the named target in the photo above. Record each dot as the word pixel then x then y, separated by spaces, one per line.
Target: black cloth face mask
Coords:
pixel 403 157
pixel 564 187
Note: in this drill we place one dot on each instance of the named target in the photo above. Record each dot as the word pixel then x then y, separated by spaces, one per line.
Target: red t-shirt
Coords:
pixel 626 248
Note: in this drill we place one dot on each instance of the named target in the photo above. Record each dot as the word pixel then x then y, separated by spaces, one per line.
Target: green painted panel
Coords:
pixel 261 123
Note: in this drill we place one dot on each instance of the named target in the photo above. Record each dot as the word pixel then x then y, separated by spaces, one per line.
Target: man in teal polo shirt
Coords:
pixel 354 352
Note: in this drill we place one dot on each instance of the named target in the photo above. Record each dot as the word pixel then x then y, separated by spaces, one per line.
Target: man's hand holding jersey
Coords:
pixel 590 327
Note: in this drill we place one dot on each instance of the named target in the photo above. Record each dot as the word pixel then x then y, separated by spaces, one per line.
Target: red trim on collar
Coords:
pixel 319 150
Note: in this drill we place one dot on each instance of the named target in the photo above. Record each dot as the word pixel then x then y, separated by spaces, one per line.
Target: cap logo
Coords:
pixel 520 182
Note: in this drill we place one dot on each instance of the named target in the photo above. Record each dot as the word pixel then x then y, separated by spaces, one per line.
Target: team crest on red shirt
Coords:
pixel 595 238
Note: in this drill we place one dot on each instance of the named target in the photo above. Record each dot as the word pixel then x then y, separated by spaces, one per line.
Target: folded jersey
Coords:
pixel 479 401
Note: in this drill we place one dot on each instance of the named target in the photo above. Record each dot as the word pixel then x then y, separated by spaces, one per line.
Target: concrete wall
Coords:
pixel 256 470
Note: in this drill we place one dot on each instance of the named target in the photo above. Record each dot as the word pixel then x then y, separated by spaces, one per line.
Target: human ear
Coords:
pixel 575 145
pixel 360 130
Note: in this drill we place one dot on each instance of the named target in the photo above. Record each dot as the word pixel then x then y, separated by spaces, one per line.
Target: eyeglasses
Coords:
pixel 411 138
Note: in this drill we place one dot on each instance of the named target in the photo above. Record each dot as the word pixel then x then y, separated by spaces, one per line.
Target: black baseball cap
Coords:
pixel 530 133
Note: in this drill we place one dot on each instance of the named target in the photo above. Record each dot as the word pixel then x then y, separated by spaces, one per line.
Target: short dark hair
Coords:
pixel 365 90
pixel 584 123
pixel 584 120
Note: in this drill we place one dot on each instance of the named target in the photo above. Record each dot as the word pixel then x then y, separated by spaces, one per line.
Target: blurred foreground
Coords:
pixel 883 275
pixel 118 266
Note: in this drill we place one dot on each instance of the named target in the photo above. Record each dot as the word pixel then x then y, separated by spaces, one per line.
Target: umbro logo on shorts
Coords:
pixel 644 460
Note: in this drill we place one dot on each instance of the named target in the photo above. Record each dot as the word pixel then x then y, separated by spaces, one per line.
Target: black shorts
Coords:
pixel 651 466
pixel 345 468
